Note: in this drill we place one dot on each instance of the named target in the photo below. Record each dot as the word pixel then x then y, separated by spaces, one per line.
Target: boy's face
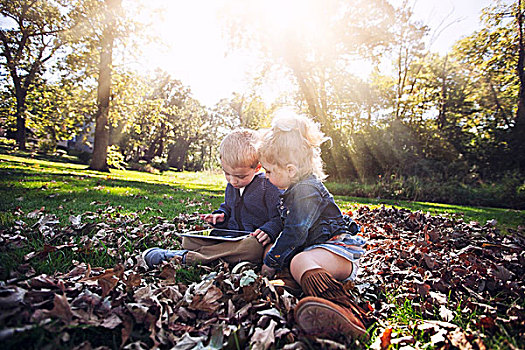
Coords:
pixel 240 176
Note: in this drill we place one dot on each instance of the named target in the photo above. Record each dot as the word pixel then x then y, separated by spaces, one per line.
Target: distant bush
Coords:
pixel 509 192
pixel 160 164
pixel 7 142
pixel 83 156
pixel 47 146
pixel 144 166
pixel 115 158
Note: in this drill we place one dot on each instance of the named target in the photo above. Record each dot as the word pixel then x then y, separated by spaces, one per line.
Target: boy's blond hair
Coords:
pixel 239 149
pixel 294 139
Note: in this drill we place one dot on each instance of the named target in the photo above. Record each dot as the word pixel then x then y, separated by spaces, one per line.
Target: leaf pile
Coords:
pixel 445 268
pixel 448 270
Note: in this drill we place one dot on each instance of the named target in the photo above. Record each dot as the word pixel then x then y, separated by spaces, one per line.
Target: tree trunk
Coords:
pixel 316 111
pixel 517 143
pixel 177 154
pixel 156 147
pixel 442 117
pixel 21 119
pixel 100 148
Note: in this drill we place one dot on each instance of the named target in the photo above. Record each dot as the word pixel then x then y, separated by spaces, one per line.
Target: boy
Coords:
pixel 250 204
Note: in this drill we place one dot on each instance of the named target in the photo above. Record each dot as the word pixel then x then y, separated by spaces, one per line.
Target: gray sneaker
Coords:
pixel 154 256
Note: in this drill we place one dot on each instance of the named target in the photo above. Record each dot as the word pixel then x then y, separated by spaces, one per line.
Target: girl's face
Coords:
pixel 278 176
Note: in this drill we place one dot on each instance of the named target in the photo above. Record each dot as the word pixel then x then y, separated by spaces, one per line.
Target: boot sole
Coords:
pixel 321 318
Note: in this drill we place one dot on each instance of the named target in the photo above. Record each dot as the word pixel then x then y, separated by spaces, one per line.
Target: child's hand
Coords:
pixel 267 271
pixel 213 218
pixel 261 236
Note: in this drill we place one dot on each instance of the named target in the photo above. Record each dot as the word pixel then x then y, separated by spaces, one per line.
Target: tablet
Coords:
pixel 217 234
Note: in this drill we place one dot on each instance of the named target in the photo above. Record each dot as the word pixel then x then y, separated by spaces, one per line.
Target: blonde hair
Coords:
pixel 239 149
pixel 294 139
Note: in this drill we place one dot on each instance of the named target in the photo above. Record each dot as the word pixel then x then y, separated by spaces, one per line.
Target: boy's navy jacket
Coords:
pixel 310 217
pixel 257 208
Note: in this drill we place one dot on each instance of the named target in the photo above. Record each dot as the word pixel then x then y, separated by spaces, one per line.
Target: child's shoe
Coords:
pixel 318 316
pixel 154 256
pixel 288 282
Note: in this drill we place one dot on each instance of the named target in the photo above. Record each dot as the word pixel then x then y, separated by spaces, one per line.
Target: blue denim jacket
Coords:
pixel 310 216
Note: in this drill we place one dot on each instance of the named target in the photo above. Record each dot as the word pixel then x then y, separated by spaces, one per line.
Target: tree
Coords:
pixel 163 124
pixel 100 149
pixel 519 128
pixel 30 38
pixel 315 43
pixel 409 49
pixel 491 58
pixel 57 111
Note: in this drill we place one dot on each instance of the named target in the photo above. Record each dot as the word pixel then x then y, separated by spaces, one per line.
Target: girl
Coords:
pixel 317 243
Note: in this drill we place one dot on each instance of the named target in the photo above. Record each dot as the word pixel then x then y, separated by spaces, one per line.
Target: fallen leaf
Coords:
pixel 262 339
pixel 187 342
pixel 386 338
pixel 439 337
pixel 445 314
pixel 207 302
pixel 61 309
pixel 111 322
pixel 502 273
pixel 458 339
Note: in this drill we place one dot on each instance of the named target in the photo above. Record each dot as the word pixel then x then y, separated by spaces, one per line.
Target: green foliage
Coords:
pixel 7 142
pixel 157 120
pixel 31 36
pixel 505 193
pixel 82 156
pixel 115 158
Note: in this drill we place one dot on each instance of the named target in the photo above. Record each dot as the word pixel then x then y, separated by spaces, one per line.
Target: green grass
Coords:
pixel 32 185
pixel 69 189
pixel 64 189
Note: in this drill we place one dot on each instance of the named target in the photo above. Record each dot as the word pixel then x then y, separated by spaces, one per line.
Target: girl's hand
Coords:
pixel 261 236
pixel 267 271
pixel 213 218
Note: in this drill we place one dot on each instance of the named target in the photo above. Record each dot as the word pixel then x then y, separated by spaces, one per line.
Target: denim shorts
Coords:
pixel 347 246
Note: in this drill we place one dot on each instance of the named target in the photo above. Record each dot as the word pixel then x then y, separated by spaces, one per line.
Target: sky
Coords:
pixel 197 54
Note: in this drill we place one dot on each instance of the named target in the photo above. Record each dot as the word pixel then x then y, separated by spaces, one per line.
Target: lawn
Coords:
pixel 70 240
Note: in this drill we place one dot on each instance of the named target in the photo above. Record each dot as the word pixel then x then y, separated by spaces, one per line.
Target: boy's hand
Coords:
pixel 261 236
pixel 267 271
pixel 213 218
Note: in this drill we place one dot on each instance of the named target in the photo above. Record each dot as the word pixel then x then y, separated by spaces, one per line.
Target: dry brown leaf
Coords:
pixel 207 302
pixel 262 339
pixel 168 273
pixel 386 339
pixel 422 289
pixel 133 280
pixel 458 339
pixel 61 309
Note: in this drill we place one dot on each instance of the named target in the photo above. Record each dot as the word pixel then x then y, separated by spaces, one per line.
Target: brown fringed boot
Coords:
pixel 328 308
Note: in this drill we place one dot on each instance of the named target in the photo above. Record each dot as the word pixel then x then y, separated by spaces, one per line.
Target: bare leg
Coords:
pixel 335 265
